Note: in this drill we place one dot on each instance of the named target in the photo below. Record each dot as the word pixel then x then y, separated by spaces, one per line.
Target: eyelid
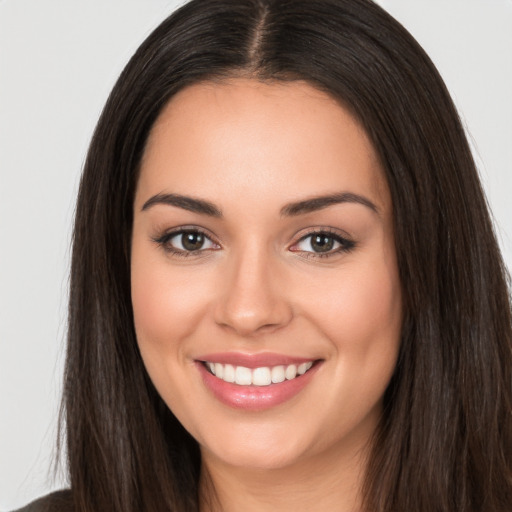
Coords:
pixel 163 239
pixel 347 243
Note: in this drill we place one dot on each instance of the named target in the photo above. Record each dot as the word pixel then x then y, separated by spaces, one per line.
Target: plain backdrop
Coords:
pixel 58 62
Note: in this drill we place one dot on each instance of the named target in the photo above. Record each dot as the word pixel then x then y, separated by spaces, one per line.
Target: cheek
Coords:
pixel 165 308
pixel 373 304
pixel 361 311
pixel 362 318
pixel 166 302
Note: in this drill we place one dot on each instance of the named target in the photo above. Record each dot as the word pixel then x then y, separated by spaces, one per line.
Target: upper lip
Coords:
pixel 256 360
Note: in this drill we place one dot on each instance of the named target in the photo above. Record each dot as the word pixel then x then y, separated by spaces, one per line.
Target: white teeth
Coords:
pixel 243 376
pixel 263 376
pixel 219 370
pixel 290 372
pixel 277 374
pixel 303 368
pixel 229 373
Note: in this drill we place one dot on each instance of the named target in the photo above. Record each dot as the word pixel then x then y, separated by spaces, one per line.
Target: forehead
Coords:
pixel 282 140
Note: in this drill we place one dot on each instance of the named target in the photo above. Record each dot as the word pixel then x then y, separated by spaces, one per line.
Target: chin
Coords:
pixel 258 450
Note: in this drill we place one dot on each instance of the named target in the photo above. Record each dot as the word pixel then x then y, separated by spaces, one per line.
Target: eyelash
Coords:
pixel 345 245
pixel 164 241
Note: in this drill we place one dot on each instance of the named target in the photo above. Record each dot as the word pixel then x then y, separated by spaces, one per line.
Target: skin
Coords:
pixel 251 148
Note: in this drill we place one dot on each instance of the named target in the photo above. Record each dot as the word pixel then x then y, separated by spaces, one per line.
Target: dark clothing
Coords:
pixel 59 501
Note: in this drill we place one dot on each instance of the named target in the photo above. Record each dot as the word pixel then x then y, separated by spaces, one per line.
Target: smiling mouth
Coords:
pixel 262 376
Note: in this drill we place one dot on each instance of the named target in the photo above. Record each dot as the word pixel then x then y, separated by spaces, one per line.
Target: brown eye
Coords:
pixel 322 243
pixel 186 241
pixel 192 241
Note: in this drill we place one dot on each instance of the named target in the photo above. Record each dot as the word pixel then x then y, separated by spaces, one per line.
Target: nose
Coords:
pixel 252 298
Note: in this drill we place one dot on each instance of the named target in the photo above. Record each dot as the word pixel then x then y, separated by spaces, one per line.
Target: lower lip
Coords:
pixel 255 398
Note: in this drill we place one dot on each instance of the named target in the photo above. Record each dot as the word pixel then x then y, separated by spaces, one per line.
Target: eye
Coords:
pixel 323 244
pixel 186 241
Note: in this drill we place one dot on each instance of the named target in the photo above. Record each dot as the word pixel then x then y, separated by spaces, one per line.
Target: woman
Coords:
pixel 286 291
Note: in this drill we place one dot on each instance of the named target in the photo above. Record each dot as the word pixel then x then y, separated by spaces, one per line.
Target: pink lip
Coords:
pixel 255 398
pixel 253 360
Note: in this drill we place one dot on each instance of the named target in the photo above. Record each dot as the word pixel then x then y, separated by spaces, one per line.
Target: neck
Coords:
pixel 328 481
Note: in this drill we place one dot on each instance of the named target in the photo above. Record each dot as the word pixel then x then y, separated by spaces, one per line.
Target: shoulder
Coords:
pixel 59 501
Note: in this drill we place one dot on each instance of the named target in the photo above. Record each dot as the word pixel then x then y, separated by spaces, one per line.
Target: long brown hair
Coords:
pixel 445 438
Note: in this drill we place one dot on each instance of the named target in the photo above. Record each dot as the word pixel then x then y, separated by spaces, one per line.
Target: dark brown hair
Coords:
pixel 445 438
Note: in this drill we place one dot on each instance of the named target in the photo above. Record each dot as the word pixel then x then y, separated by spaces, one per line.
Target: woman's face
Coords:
pixel 262 249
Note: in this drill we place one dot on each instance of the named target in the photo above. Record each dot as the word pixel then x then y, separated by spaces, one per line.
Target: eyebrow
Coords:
pixel 186 203
pixel 318 203
pixel 290 210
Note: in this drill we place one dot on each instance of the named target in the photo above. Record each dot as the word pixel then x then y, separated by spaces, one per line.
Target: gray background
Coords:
pixel 58 62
